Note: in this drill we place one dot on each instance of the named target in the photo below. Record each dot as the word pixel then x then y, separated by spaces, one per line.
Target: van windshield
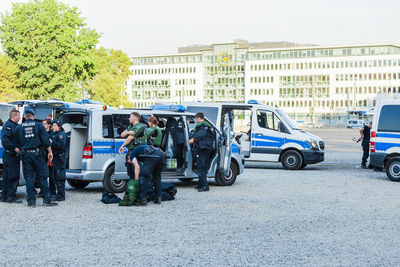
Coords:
pixel 287 119
pixel 389 119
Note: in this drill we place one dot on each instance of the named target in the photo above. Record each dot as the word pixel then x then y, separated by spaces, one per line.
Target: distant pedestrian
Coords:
pixel 365 137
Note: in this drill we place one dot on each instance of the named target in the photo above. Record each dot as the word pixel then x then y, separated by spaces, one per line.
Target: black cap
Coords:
pixel 29 111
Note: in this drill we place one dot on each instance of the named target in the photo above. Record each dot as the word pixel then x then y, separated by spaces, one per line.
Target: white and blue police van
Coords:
pixel 264 133
pixel 95 137
pixel 385 138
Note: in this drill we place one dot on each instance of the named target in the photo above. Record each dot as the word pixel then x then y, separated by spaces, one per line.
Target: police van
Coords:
pixel 95 137
pixel 385 138
pixel 264 133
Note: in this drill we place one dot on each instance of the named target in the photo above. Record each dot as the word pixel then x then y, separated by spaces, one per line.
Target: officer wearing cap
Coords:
pixel 59 148
pixel 11 163
pixel 204 140
pixel 31 140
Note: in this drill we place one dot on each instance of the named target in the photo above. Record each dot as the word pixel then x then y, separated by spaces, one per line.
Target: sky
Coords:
pixel 152 27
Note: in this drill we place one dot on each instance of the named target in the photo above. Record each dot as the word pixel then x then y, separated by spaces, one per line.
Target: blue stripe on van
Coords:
pixel 100 143
pixel 103 150
pixel 388 135
pixel 272 141
pixel 235 149
pixel 385 146
pixel 1 152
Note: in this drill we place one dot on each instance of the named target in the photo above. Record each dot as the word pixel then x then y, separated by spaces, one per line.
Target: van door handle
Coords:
pixel 258 134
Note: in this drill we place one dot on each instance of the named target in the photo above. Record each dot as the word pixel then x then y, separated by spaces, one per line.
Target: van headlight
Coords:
pixel 313 144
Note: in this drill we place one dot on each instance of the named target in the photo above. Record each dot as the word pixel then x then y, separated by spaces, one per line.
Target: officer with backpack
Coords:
pixel 31 140
pixel 204 139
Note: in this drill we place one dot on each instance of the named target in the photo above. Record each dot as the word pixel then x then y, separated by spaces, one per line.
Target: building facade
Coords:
pixel 303 80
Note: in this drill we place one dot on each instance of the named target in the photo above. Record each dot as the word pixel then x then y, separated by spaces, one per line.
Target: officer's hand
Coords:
pixel 191 141
pixel 121 150
pixel 16 150
pixel 50 156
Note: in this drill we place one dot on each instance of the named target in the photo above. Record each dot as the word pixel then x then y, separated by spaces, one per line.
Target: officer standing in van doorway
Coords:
pixel 134 137
pixel 153 134
pixel 59 148
pixel 365 137
pixel 31 140
pixel 204 143
pixel 11 163
pixel 152 161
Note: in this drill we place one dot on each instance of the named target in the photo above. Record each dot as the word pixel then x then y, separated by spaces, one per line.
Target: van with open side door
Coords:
pixel 95 137
pixel 264 133
pixel 385 138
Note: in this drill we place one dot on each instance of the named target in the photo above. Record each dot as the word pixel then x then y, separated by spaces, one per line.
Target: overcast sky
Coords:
pixel 157 27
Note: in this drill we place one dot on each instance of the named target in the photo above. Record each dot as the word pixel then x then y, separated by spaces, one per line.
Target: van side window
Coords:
pixel 389 119
pixel 107 126
pixel 269 120
pixel 120 123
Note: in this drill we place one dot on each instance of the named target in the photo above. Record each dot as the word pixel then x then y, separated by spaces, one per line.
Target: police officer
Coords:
pixel 204 141
pixel 365 137
pixel 153 134
pixel 134 137
pixel 47 123
pixel 151 164
pixel 32 139
pixel 11 163
pixel 59 148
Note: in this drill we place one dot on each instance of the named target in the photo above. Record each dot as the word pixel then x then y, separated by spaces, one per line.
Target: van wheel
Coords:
pixel 303 166
pixel 393 169
pixel 223 180
pixel 186 180
pixel 111 185
pixel 291 160
pixel 77 184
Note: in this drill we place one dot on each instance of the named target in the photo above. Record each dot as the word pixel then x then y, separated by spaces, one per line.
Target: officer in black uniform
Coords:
pixel 31 140
pixel 365 137
pixel 204 140
pixel 59 148
pixel 151 164
pixel 11 163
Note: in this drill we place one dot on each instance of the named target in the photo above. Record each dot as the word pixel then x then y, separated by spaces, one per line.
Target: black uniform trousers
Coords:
pixel 203 164
pixel 59 163
pixel 34 163
pixel 365 147
pixel 11 173
pixel 151 169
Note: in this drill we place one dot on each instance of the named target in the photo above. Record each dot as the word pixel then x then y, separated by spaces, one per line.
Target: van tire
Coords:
pixel 222 180
pixel 291 160
pixel 393 169
pixel 77 184
pixel 110 185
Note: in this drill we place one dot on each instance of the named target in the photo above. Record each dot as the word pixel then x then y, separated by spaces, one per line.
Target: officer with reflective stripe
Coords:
pixel 31 140
pixel 59 148
pixel 11 160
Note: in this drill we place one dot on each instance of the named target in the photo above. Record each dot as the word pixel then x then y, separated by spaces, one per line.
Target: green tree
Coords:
pixel 8 80
pixel 110 81
pixel 50 45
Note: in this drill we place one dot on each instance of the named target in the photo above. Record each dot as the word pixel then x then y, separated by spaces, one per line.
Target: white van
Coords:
pixel 94 140
pixel 385 138
pixel 265 133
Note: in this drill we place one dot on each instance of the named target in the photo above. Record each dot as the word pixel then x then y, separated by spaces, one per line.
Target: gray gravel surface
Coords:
pixel 320 216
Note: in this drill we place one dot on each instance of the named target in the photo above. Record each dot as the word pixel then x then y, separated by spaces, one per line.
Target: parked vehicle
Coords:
pixel 385 138
pixel 355 124
pixel 94 140
pixel 265 133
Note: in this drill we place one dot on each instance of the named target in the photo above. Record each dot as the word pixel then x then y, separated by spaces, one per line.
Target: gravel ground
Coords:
pixel 323 215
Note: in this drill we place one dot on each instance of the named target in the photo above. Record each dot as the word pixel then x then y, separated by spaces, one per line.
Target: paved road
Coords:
pixel 322 215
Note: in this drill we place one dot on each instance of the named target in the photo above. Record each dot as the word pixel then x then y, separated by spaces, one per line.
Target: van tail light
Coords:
pixel 88 152
pixel 372 142
pixel 372 146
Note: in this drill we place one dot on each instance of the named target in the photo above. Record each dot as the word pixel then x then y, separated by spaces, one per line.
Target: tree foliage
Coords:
pixel 51 47
pixel 110 81
pixel 8 80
